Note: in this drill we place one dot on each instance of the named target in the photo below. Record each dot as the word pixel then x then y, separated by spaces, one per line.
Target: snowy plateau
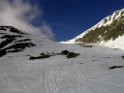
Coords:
pixel 97 69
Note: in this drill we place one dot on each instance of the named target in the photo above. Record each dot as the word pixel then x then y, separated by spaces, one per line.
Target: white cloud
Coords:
pixel 20 14
pixel 46 29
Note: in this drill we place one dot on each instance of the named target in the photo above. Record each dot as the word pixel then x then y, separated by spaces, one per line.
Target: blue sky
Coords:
pixel 69 18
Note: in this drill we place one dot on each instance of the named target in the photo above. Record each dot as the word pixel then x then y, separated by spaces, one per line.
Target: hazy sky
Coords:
pixel 61 19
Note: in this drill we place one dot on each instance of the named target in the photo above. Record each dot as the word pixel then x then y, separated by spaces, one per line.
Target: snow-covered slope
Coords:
pixel 108 32
pixel 96 69
pixel 87 73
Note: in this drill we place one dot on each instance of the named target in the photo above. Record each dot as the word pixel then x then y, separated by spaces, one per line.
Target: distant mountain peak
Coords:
pixel 109 19
pixel 109 32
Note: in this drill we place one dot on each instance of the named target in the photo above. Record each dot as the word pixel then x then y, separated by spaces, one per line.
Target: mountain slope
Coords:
pixel 108 32
pixel 88 73
pixel 99 71
pixel 13 40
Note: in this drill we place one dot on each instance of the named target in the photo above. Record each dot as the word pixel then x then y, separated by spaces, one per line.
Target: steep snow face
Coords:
pixel 107 32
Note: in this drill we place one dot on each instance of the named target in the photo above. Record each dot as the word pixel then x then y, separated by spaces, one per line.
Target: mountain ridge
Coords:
pixel 13 40
pixel 112 25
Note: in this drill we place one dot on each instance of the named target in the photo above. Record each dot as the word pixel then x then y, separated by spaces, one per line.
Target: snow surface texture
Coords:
pixel 87 73
pixel 117 43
